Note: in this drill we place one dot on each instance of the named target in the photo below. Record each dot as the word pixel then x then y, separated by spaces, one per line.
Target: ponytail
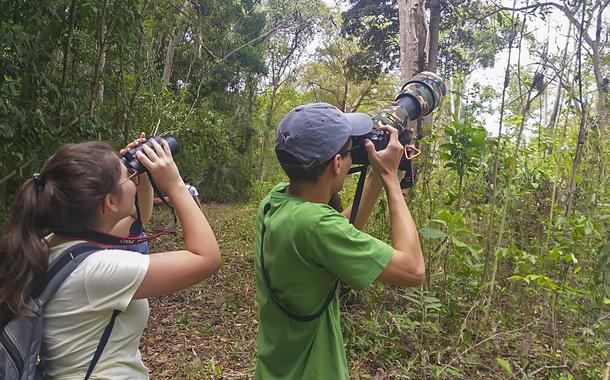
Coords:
pixel 24 255
pixel 67 196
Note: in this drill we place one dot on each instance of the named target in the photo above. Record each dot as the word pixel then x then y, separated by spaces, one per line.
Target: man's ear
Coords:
pixel 335 164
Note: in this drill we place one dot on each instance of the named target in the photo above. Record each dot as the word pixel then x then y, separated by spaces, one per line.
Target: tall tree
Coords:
pixel 285 48
pixel 413 36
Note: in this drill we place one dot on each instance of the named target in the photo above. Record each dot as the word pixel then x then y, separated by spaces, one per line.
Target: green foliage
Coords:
pixel 465 146
pixel 468 41
pixel 374 24
pixel 239 67
pixel 332 79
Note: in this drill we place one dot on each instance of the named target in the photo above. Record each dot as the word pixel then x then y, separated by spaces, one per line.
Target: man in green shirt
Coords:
pixel 303 246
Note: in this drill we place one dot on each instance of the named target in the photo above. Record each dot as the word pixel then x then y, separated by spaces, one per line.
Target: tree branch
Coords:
pixel 214 57
pixel 327 90
pixel 561 7
pixel 359 100
pixel 14 172
pixel 251 42
pixel 483 341
pixel 547 367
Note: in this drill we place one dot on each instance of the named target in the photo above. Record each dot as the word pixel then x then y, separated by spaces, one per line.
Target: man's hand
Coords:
pixel 385 162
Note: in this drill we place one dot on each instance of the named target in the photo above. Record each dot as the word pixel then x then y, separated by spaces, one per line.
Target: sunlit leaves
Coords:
pixel 431 233
pixel 465 146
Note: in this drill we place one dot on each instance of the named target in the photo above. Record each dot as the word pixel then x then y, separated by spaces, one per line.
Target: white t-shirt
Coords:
pixel 75 318
pixel 192 190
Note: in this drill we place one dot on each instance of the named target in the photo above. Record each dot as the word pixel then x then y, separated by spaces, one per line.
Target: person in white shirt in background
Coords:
pixel 191 189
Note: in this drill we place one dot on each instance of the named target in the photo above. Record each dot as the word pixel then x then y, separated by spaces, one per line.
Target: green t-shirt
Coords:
pixel 307 247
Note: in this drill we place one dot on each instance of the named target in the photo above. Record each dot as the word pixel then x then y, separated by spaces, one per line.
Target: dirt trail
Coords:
pixel 208 331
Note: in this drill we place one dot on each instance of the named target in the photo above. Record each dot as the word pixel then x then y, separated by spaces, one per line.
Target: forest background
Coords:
pixel 515 225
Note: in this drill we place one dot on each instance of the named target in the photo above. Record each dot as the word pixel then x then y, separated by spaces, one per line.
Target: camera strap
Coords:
pixel 290 314
pixel 362 169
pixel 94 236
pixel 161 196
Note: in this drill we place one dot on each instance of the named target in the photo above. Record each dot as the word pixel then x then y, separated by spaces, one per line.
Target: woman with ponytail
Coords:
pixel 86 187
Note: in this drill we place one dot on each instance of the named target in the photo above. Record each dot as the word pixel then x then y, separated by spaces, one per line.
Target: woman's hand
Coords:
pixel 160 164
pixel 137 142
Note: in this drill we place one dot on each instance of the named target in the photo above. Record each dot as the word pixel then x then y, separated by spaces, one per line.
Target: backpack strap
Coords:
pixel 102 344
pixel 60 269
pixel 57 272
pixel 290 314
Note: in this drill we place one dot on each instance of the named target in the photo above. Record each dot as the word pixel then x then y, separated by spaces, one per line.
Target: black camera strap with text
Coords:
pixel 94 236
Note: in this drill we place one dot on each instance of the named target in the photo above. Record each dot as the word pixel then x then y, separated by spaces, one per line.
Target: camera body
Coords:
pixel 129 159
pixel 418 97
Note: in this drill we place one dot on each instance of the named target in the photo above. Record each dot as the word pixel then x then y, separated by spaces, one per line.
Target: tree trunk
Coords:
pixel 582 135
pixel 169 57
pixel 268 128
pixel 451 96
pixel 494 172
pixel 506 205
pixel 97 88
pixel 597 61
pixel 435 19
pixel 413 33
pixel 582 131
pixel 555 112
pixel 345 105
pixel 602 96
pixel 103 31
pixel 171 46
pixel 68 44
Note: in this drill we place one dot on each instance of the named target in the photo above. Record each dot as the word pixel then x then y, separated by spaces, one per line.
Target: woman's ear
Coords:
pixel 110 203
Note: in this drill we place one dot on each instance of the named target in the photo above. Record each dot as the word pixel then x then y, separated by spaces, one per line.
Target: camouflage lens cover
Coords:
pixel 392 115
pixel 428 89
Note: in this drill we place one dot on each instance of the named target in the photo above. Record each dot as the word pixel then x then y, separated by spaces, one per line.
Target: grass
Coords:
pixel 209 331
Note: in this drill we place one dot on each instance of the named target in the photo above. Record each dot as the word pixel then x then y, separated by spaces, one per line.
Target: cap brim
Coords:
pixel 361 123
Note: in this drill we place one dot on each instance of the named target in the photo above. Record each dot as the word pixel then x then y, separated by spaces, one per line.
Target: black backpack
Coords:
pixel 21 336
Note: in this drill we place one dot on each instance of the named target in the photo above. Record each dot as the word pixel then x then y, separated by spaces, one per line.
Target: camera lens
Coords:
pixel 130 160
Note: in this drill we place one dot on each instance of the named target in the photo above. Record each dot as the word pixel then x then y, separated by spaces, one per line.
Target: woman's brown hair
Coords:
pixel 67 197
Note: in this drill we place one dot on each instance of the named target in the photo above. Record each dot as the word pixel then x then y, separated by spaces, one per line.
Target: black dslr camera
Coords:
pixel 130 160
pixel 418 97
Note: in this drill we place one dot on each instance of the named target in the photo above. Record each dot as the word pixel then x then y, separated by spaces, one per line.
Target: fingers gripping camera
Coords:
pixel 129 158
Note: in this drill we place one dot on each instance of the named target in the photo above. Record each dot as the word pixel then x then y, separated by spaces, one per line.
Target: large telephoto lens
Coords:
pixel 418 97
pixel 130 160
pixel 421 94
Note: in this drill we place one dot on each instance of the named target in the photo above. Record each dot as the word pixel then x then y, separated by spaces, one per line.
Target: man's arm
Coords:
pixel 406 267
pixel 196 198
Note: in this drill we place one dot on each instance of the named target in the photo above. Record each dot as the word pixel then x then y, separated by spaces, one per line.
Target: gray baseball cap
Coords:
pixel 314 132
